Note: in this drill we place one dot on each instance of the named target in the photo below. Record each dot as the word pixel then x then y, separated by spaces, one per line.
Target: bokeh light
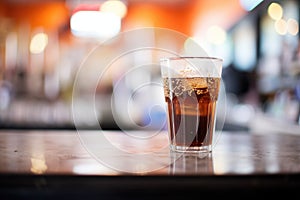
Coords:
pixel 281 26
pixel 275 11
pixel 216 35
pixel 292 26
pixel 114 6
pixel 38 43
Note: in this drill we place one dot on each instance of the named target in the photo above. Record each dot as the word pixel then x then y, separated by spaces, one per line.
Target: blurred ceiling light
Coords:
pixel 114 6
pixel 275 11
pixel 216 35
pixel 38 43
pixel 250 4
pixel 95 24
pixel 281 27
pixel 292 26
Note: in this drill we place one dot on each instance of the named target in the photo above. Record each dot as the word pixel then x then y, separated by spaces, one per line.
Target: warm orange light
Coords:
pixel 46 14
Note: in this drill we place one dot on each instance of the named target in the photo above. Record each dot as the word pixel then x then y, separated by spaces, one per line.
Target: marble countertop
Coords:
pixel 143 152
pixel 240 159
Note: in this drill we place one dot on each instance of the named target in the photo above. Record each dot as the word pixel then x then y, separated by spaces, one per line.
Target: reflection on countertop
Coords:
pixel 144 153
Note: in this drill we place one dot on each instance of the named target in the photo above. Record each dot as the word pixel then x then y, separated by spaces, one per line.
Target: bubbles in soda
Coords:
pixel 191 104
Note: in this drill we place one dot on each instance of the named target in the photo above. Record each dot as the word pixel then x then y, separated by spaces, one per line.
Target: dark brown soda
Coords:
pixel 191 104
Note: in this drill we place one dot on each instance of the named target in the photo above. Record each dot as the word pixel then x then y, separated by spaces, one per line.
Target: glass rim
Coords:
pixel 192 57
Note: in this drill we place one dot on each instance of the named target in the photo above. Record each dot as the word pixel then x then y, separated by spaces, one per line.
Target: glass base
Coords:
pixel 199 149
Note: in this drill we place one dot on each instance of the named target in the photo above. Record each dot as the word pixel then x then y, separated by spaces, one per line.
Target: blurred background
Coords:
pixel 43 43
